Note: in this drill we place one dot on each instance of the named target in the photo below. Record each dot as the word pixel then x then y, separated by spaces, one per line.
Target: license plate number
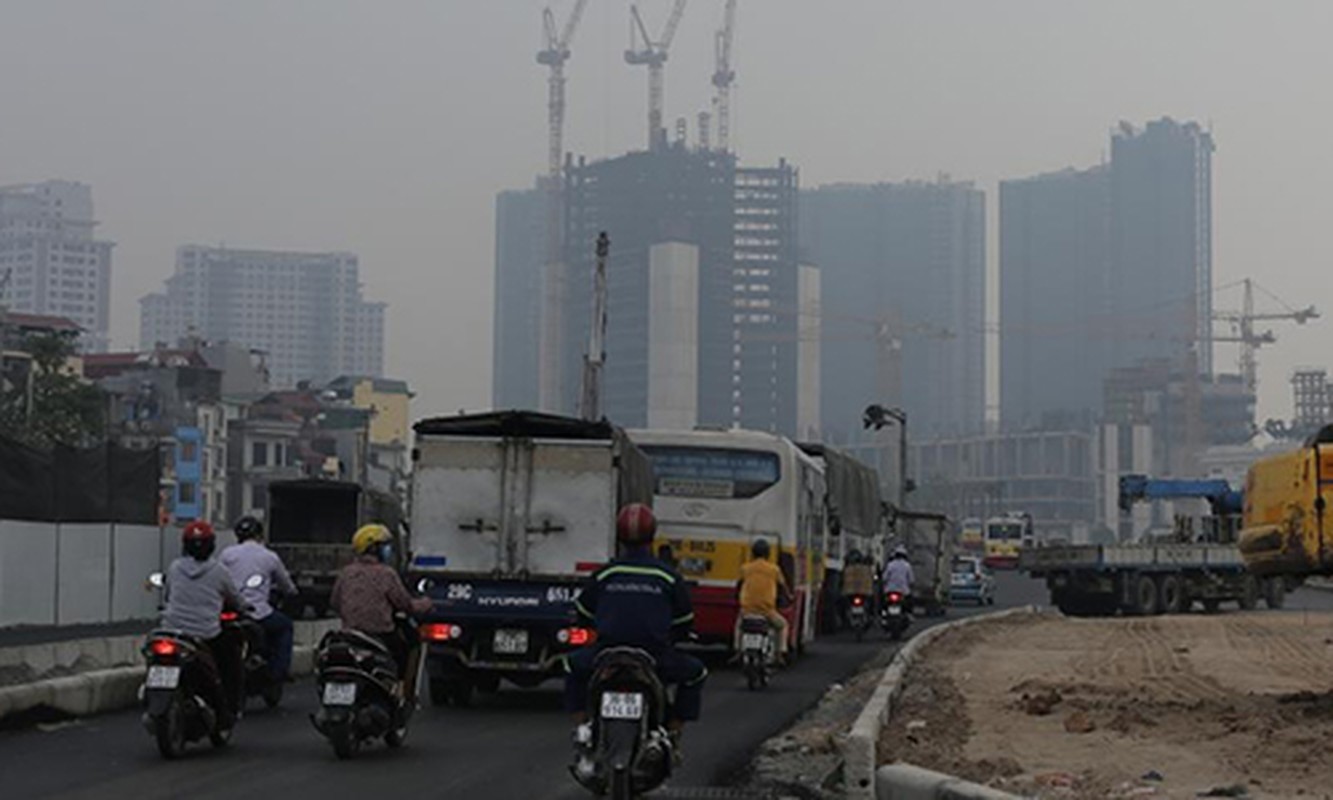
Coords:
pixel 339 694
pixel 754 641
pixel 511 642
pixel 622 705
pixel 895 611
pixel 163 677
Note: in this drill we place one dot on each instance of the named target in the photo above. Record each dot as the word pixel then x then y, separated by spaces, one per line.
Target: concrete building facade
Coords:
pixel 304 311
pixel 902 303
pixel 50 261
pixel 520 241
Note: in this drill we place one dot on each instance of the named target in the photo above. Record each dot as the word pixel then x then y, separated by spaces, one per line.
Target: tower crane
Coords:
pixel 1250 340
pixel 553 56
pixel 653 54
pixel 724 76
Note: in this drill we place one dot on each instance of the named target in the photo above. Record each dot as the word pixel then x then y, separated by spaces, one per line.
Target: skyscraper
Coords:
pixel 1054 298
pixel 520 231
pixel 304 310
pixel 50 263
pixel 693 238
pixel 1161 243
pixel 903 303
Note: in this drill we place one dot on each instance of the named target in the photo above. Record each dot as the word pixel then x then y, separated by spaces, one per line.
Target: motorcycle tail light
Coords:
pixel 229 616
pixel 894 597
pixel 858 601
pixel 164 648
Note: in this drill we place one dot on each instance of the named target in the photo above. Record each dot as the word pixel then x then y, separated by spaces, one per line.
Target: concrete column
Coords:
pixel 673 336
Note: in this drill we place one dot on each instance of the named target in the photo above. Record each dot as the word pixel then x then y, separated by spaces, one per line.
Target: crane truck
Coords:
pixel 1155 576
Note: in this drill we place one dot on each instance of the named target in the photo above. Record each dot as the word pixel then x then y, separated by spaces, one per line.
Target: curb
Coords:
pixel 906 782
pixel 103 690
pixel 858 749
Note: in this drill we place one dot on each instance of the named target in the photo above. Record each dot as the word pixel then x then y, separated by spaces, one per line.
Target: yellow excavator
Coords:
pixel 1284 527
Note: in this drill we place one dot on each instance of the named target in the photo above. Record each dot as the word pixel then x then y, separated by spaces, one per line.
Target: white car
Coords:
pixel 972 581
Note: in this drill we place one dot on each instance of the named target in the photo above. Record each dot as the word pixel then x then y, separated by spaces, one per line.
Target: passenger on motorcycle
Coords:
pixel 858 577
pixel 368 592
pixel 638 601
pixel 196 591
pixel 247 558
pixel 760 586
pixel 898 575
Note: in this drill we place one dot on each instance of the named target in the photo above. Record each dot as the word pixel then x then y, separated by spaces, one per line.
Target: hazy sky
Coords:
pixel 386 127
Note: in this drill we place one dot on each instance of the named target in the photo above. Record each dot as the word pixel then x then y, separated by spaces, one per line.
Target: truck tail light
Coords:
pixel 441 632
pixel 576 637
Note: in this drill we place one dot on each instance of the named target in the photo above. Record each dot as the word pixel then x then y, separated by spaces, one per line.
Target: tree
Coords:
pixel 64 409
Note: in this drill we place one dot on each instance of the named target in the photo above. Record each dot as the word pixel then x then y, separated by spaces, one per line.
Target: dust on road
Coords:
pixel 1171 706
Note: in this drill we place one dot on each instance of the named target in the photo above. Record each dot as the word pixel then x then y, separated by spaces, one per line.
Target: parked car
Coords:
pixel 971 581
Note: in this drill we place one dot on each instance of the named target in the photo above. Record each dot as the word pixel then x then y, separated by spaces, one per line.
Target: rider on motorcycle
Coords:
pixel 249 557
pixel 368 592
pixel 898 575
pixel 858 577
pixel 638 601
pixel 196 590
pixel 760 586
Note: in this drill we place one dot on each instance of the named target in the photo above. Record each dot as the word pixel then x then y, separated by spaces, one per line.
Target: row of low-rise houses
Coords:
pixel 224 434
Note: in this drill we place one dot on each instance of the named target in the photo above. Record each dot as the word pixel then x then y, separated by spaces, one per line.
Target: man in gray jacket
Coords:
pixel 198 588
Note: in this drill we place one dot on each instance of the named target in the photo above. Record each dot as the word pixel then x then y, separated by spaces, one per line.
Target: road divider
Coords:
pixel 859 747
pixel 110 672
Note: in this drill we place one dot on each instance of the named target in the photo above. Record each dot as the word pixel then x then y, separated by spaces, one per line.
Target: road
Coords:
pixel 511 745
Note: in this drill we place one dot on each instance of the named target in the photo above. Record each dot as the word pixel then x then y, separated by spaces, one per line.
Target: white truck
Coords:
pixel 511 511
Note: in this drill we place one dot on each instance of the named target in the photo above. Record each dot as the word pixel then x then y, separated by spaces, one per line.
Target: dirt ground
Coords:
pixel 1223 705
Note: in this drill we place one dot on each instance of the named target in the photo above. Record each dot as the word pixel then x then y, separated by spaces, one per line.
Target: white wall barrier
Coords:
pixel 78 573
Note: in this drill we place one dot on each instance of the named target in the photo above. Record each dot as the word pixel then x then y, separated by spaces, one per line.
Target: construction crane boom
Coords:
pixel 653 54
pixel 724 76
pixel 553 56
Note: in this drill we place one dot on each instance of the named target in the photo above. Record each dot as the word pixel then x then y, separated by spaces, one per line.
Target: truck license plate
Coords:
pixel 753 641
pixel 163 677
pixel 622 705
pixel 895 611
pixel 510 642
pixel 339 694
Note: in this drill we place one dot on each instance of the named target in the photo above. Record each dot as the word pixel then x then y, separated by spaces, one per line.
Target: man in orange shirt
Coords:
pixel 760 586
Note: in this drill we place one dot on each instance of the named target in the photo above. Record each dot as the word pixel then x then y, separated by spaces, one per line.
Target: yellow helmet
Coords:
pixel 370 536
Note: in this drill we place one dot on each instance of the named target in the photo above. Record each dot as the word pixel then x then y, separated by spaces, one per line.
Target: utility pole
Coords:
pixel 595 358
pixel 653 54
pixel 876 417
pixel 553 56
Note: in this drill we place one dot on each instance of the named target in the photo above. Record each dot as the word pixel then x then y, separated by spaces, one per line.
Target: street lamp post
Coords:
pixel 876 417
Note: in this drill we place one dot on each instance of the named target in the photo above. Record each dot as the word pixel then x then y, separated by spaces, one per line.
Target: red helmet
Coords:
pixel 198 540
pixel 636 524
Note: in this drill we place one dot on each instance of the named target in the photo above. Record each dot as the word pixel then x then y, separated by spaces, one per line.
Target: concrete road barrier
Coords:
pixel 906 782
pixel 858 749
pixel 100 690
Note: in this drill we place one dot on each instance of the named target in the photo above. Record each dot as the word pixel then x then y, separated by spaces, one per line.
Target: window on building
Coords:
pixel 279 454
pixel 259 454
pixel 258 497
pixel 185 493
pixel 189 451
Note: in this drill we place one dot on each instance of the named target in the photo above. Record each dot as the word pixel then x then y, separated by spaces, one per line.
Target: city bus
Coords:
pixel 973 539
pixel 1005 536
pixel 715 493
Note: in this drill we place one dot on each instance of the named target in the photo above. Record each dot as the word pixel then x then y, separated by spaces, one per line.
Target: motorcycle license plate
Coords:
pixel 895 611
pixel 339 694
pixel 753 641
pixel 163 677
pixel 510 642
pixel 622 705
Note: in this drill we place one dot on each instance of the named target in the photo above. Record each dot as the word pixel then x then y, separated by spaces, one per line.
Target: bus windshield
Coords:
pixel 712 472
pixel 1005 531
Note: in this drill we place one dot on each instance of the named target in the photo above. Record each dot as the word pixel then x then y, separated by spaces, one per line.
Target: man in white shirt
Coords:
pixel 257 572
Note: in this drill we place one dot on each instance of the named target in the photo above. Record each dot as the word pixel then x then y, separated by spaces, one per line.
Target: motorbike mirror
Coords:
pixel 424 585
pixel 157 580
pixel 254 581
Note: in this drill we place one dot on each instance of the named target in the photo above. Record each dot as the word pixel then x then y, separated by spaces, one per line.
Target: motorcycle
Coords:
pixel 176 710
pixel 895 617
pixel 361 695
pixel 858 615
pixel 625 749
pixel 756 650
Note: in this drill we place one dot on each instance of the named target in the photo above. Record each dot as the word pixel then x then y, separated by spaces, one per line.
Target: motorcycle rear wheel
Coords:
pixel 169 731
pixel 345 742
pixel 621 785
pixel 272 694
pixel 396 737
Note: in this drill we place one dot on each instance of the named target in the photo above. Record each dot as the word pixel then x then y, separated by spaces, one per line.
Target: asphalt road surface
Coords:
pixel 511 745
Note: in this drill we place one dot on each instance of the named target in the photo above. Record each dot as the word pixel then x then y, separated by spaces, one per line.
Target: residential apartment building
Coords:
pixel 303 311
pixel 50 261
pixel 902 306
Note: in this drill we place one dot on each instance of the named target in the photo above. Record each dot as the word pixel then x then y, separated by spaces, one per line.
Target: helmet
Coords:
pixel 760 548
pixel 369 537
pixel 198 540
pixel 900 552
pixel 636 524
pixel 248 528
